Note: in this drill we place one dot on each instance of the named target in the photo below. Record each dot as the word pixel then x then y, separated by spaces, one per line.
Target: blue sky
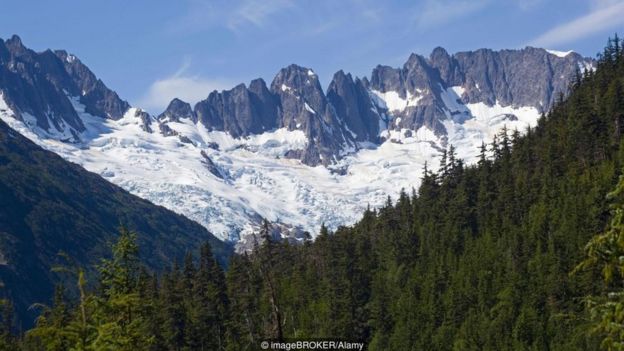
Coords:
pixel 150 51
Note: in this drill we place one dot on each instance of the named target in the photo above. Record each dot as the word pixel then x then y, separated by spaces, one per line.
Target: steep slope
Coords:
pixel 37 87
pixel 480 257
pixel 433 92
pixel 295 101
pixel 288 152
pixel 49 205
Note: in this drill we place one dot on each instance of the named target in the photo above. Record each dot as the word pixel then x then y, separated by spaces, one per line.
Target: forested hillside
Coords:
pixel 478 258
pixel 49 205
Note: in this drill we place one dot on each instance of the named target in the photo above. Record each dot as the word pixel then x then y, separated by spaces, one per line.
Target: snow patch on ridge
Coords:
pixel 392 101
pixel 308 108
pixel 486 122
pixel 28 124
pixel 458 90
pixel 560 53
pixel 451 99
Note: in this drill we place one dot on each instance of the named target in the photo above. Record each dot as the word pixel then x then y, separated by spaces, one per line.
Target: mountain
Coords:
pixel 295 101
pixel 424 92
pixel 287 151
pixel 499 255
pixel 49 205
pixel 480 257
pixel 428 92
pixel 37 85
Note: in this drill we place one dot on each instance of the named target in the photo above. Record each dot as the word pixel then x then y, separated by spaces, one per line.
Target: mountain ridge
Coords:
pixel 435 75
pixel 414 95
pixel 253 151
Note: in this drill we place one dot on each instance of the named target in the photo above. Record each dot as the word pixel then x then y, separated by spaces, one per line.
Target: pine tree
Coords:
pixel 211 301
pixel 7 339
pixel 174 313
pixel 119 323
pixel 443 171
pixel 50 331
pixel 605 252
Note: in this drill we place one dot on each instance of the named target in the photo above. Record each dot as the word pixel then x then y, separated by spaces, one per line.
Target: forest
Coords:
pixel 522 251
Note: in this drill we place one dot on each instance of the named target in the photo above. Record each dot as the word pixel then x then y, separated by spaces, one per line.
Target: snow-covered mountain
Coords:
pixel 288 152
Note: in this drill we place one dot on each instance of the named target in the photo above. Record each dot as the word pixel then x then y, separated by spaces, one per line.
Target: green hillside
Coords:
pixel 49 205
pixel 478 258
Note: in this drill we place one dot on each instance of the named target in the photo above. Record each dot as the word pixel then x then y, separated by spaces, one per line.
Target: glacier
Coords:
pixel 254 181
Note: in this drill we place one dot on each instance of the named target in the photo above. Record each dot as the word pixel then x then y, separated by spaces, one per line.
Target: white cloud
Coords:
pixel 181 85
pixel 606 15
pixel 435 12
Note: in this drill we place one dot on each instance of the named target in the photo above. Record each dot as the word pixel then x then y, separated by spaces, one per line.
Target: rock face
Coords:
pixel 145 120
pixel 97 98
pixel 240 111
pixel 528 77
pixel 412 95
pixel 38 87
pixel 295 101
pixel 425 92
pixel 176 111
pixel 354 105
pixel 303 106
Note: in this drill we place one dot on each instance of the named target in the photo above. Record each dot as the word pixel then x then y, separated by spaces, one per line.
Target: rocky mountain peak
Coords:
pixel 94 94
pixel 439 53
pixel 446 66
pixel 257 85
pixel 300 94
pixel 419 75
pixel 46 86
pixel 386 78
pixel 15 45
pixel 176 110
pixel 295 73
pixel 266 104
pixel 353 105
pixel 342 77
pixel 298 81
pixel 239 111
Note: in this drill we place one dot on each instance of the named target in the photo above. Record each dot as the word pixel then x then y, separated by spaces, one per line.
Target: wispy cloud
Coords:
pixel 234 15
pixel 600 4
pixel 605 15
pixel 181 85
pixel 526 5
pixel 255 13
pixel 439 12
